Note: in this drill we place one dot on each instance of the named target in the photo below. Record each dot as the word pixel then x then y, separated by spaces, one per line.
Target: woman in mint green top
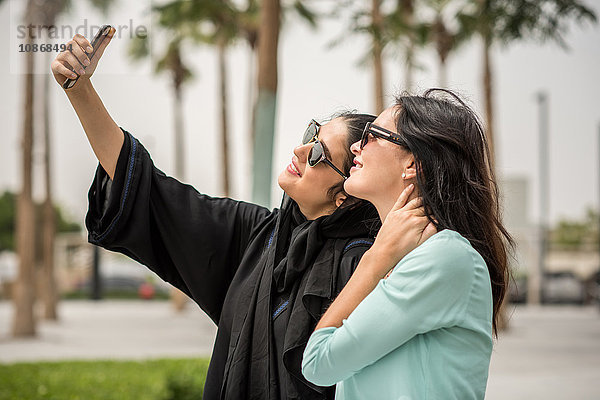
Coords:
pixel 416 319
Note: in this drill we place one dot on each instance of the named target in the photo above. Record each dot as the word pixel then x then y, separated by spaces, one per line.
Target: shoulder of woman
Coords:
pixel 445 253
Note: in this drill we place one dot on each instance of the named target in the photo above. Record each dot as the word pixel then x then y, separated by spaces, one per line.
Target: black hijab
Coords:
pixel 301 256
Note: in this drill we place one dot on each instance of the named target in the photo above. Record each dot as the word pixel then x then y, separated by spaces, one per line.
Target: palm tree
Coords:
pixel 266 100
pixel 372 22
pixel 48 294
pixel 173 63
pixel 442 37
pixel 24 290
pixel 506 22
pixel 403 26
pixel 398 28
pixel 269 23
pixel 377 27
pixel 38 14
pixel 227 23
pixel 51 9
pixel 205 22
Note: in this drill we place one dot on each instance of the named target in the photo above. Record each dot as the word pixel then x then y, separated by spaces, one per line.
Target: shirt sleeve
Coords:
pixel 190 240
pixel 427 290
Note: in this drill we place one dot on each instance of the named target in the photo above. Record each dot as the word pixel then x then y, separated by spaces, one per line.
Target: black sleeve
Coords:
pixel 193 241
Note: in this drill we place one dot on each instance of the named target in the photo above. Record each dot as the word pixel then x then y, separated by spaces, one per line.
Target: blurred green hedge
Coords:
pixel 164 379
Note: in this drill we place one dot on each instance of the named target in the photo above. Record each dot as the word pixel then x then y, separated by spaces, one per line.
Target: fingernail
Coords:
pixel 89 49
pixel 82 72
pixel 86 62
pixel 73 75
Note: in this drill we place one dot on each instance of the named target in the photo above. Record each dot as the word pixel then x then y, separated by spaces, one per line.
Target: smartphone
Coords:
pixel 102 33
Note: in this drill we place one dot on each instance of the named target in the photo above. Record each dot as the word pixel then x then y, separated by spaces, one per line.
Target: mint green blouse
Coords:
pixel 425 332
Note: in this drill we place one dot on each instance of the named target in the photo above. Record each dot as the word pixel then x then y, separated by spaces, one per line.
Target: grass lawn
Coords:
pixel 163 379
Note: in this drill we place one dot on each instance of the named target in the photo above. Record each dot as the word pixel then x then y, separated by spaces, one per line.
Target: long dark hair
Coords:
pixel 455 177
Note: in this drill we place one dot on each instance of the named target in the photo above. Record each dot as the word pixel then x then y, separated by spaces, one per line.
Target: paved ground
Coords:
pixel 549 352
pixel 111 329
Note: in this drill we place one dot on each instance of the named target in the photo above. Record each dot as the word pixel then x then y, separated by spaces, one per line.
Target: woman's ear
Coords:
pixel 340 198
pixel 410 171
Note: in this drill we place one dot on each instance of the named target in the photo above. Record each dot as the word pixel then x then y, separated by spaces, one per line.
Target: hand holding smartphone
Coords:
pixel 80 58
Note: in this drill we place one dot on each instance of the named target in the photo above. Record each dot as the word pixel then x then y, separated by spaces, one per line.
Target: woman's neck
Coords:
pixel 314 214
pixel 383 209
pixel 385 204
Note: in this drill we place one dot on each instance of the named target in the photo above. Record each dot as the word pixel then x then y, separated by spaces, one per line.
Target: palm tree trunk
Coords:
pixel 377 58
pixel 251 83
pixel 503 321
pixel 251 35
pixel 221 49
pixel 409 65
pixel 408 15
pixel 49 292
pixel 488 97
pixel 266 101
pixel 178 298
pixel 24 291
pixel 179 135
pixel 443 73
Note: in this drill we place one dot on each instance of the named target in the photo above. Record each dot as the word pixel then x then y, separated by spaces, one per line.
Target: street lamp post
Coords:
pixel 96 287
pixel 536 278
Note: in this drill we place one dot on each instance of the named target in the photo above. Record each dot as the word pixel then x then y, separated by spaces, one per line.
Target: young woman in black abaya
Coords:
pixel 264 277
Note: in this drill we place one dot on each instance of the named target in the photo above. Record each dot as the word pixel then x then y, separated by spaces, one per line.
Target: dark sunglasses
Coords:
pixel 379 132
pixel 317 152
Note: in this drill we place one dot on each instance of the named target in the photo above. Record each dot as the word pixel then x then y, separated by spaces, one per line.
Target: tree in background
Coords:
pixel 377 50
pixel 398 28
pixel 215 23
pixel 407 34
pixel 8 211
pixel 266 100
pixel 37 13
pixel 372 22
pixel 510 21
pixel 225 32
pixel 172 63
pixel 270 15
pixel 24 288
pixel 442 36
pixel 50 10
pixel 577 235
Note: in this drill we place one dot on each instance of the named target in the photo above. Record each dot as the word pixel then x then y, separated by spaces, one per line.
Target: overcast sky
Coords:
pixel 314 81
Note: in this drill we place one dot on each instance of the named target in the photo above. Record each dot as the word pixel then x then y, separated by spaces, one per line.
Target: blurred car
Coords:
pixel 562 287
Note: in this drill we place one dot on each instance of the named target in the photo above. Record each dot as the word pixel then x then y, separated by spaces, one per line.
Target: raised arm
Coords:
pixel 195 242
pixel 104 135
